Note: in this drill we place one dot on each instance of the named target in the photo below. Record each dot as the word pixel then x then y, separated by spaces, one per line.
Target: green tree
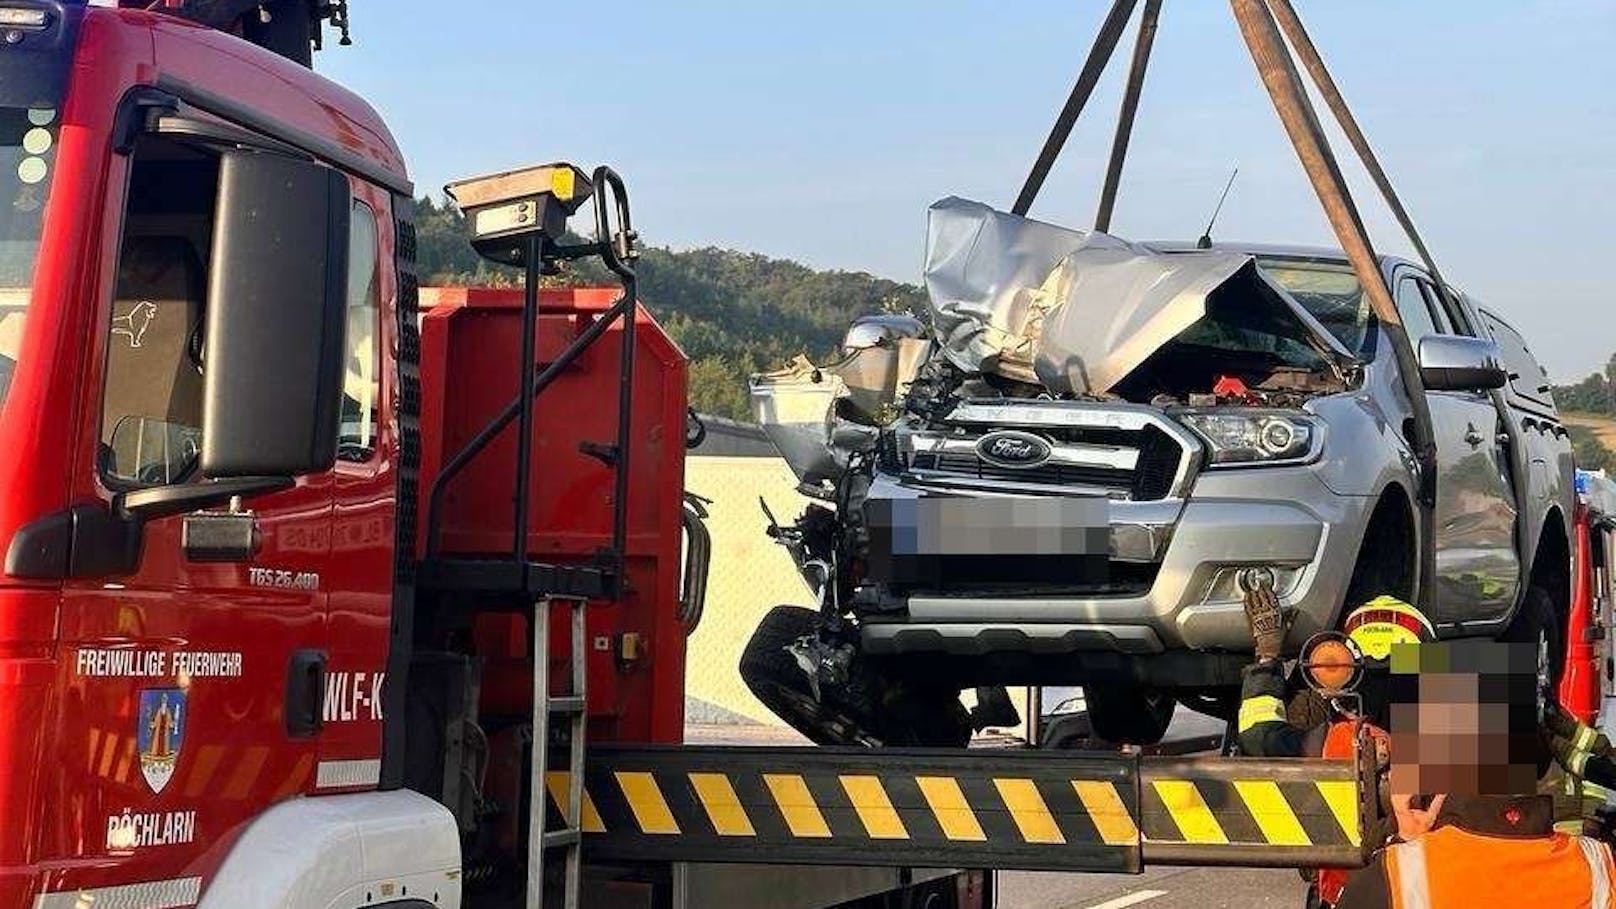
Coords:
pixel 1594 394
pixel 1590 452
pixel 733 313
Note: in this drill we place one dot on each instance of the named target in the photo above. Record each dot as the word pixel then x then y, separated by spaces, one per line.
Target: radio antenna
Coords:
pixel 1206 236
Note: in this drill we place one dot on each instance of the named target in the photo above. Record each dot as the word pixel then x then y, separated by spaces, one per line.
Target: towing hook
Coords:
pixel 1255 579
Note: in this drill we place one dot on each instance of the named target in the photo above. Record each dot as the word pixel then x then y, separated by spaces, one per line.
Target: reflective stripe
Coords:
pixel 1106 810
pixel 1596 791
pixel 797 805
pixel 722 805
pixel 1264 708
pixel 1585 738
pixel 1598 856
pixel 1413 890
pixel 645 800
pixel 1342 798
pixel 340 774
pixel 167 894
pixel 1189 811
pixel 953 811
pixel 1029 810
pixel 873 807
pixel 1272 813
pixel 557 782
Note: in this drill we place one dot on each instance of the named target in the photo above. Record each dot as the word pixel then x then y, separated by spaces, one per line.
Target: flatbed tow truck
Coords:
pixel 289 617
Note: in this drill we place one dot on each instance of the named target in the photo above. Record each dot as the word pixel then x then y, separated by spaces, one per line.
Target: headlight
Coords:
pixel 1255 437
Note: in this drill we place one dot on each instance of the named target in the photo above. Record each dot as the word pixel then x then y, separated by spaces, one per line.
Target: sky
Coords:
pixel 821 131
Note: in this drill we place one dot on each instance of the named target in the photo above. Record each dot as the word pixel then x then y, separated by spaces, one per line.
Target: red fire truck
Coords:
pixel 279 551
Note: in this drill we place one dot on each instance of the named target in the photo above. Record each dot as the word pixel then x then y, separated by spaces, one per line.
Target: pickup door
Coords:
pixel 1477 566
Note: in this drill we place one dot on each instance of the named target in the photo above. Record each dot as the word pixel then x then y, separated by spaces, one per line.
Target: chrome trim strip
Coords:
pixel 1011 414
pixel 165 894
pixel 1076 454
pixel 345 774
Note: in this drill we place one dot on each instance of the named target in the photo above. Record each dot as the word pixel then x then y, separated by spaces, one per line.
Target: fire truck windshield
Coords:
pixel 27 154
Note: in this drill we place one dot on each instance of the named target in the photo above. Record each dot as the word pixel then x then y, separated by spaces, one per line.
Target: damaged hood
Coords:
pixel 1077 311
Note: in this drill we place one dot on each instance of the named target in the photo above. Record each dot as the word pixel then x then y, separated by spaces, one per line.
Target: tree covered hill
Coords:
pixel 1590 409
pixel 734 313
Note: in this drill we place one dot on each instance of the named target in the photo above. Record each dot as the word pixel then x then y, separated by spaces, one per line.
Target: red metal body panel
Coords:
pixel 75 658
pixel 1579 681
pixel 469 366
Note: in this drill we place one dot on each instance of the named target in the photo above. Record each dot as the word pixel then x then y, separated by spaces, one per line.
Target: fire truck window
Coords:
pixel 152 404
pixel 359 386
pixel 27 155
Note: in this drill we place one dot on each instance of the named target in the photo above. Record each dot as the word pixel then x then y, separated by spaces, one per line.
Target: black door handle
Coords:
pixel 305 693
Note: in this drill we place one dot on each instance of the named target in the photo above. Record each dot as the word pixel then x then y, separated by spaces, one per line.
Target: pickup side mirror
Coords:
pixel 272 355
pixel 1454 363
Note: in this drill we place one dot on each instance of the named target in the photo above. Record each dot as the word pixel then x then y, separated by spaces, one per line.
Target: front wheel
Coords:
pixel 868 708
pixel 1128 714
pixel 1538 623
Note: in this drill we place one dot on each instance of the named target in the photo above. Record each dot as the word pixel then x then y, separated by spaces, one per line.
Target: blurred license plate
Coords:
pixel 1000 540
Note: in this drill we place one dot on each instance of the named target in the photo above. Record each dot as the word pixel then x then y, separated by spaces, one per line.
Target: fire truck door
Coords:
pixel 359 586
pixel 189 687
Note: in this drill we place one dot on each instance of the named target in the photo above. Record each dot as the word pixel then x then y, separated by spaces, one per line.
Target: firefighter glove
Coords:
pixel 1267 621
pixel 1573 742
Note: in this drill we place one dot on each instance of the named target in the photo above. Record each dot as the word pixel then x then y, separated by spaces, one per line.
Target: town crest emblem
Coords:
pixel 159 731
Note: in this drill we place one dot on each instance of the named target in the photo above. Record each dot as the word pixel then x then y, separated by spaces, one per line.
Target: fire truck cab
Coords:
pixel 202 463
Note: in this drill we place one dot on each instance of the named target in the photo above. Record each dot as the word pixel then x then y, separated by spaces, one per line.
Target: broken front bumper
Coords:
pixel 1168 580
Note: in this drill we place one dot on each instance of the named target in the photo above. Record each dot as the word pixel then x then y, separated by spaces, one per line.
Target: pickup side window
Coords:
pixel 1453 314
pixel 1418 318
pixel 151 407
pixel 1527 377
pixel 357 438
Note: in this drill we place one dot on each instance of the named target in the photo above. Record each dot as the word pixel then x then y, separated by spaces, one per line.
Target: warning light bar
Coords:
pixel 506 210
pixel 23 17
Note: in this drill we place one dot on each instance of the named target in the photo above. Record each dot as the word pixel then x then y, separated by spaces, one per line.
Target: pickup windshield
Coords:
pixel 1331 292
pixel 27 153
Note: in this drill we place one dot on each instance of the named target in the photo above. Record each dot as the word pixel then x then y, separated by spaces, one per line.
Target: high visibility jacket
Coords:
pixel 1453 867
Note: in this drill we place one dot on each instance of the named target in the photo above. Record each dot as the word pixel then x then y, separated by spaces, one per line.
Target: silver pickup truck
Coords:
pixel 1069 474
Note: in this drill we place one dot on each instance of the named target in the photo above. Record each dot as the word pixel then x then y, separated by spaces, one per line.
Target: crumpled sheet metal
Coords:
pixel 796 405
pixel 1074 311
pixel 984 273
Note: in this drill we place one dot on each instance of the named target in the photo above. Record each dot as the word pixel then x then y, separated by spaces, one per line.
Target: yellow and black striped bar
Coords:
pixel 891 807
pixel 1254 812
pixel 1033 810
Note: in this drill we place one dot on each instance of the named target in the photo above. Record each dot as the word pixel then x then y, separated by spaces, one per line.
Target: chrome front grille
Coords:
pixel 1050 474
pixel 1123 451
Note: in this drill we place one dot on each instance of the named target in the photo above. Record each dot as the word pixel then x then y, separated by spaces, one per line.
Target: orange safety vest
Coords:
pixel 1452 867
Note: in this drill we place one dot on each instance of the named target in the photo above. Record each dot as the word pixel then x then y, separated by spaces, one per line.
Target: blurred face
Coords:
pixel 1463 718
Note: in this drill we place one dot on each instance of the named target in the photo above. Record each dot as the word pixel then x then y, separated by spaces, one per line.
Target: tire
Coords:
pixel 869 709
pixel 1538 621
pixel 774 678
pixel 1218 704
pixel 1128 714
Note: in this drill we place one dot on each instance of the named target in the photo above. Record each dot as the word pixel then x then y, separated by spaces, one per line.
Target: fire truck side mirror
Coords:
pixel 272 355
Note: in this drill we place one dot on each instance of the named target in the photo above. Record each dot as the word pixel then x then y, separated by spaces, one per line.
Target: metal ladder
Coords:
pixel 569 838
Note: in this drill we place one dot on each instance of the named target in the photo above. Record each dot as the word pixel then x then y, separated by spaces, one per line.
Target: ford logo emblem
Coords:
pixel 1010 448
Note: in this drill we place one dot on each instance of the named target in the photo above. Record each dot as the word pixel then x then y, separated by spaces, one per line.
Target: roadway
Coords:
pixel 1157 888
